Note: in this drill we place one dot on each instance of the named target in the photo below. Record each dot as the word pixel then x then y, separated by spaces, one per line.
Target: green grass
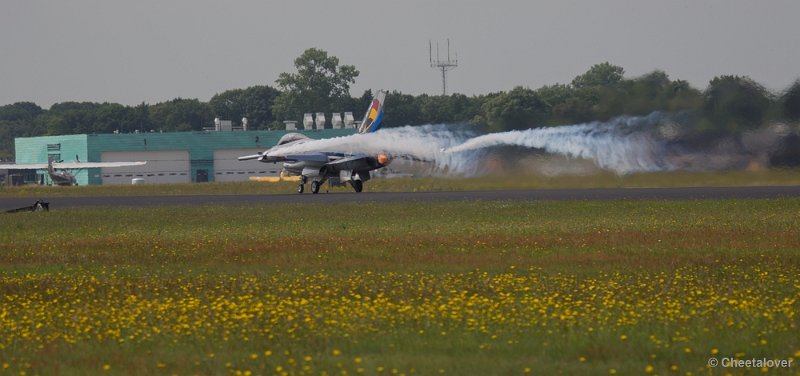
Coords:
pixel 424 184
pixel 419 288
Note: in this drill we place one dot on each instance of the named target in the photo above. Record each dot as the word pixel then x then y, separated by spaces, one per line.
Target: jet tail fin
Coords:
pixel 374 116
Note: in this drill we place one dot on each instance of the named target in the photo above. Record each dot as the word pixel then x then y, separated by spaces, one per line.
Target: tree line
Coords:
pixel 728 106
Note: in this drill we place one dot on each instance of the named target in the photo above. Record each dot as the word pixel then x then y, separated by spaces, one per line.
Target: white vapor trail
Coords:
pixel 624 144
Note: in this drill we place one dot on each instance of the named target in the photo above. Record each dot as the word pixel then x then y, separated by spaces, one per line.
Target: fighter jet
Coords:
pixel 337 167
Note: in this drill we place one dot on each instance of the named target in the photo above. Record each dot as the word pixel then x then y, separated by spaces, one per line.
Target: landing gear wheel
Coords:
pixel 358 185
pixel 300 188
pixel 315 187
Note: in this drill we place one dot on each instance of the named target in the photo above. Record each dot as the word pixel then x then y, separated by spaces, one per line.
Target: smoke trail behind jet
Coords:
pixel 624 145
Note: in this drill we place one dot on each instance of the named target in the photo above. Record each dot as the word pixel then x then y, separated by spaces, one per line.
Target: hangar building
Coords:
pixel 179 157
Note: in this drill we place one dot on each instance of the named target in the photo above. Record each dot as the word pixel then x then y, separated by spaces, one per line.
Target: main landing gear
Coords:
pixel 315 185
pixel 357 185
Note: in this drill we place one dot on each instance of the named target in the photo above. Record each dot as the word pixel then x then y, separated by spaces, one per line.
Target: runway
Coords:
pixel 602 194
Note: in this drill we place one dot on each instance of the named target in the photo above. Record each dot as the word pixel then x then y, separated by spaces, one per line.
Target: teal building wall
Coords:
pixel 200 145
pixel 43 149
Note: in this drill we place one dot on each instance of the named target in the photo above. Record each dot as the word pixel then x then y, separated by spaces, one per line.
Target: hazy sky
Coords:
pixel 155 50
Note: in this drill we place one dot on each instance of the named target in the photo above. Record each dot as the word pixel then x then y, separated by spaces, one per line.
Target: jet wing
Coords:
pixel 308 157
pixel 353 163
pixel 262 158
pixel 304 157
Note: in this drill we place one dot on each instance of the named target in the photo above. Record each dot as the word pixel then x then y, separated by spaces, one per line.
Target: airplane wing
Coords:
pixel 68 165
pixel 26 166
pixel 307 157
pixel 304 157
pixel 353 163
pixel 362 162
pixel 73 165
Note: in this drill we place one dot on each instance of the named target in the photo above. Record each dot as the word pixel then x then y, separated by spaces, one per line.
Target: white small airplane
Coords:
pixel 65 177
pixel 339 168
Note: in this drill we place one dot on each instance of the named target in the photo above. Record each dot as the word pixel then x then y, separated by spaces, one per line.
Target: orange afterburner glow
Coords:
pixel 384 159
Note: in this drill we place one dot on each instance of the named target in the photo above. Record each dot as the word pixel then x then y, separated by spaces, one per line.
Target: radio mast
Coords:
pixel 442 65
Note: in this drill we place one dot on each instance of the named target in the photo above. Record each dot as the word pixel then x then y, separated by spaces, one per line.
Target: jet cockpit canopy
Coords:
pixel 289 137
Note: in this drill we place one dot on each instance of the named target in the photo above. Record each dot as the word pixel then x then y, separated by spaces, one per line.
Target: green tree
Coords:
pixel 735 103
pixel 520 108
pixel 604 74
pixel 8 130
pixel 463 108
pixel 141 118
pixel 255 103
pixel 684 97
pixel 71 118
pixel 403 109
pixel 434 109
pixel 17 120
pixel 180 115
pixel 112 117
pixel 791 102
pixel 20 111
pixel 645 94
pixel 568 105
pixel 320 84
pixel 228 105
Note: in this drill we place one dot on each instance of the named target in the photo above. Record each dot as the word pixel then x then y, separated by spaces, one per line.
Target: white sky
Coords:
pixel 156 50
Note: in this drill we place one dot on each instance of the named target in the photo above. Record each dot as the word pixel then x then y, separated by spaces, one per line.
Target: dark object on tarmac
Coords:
pixel 39 205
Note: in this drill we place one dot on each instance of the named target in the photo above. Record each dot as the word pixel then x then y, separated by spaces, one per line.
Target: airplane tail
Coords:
pixel 374 116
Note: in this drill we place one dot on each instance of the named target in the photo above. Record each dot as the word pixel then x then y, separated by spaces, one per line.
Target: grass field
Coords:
pixel 403 288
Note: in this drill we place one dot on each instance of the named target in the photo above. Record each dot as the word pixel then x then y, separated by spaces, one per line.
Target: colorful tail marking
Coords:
pixel 374 116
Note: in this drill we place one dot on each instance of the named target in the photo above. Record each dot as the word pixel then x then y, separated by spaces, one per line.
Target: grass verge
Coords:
pixel 466 288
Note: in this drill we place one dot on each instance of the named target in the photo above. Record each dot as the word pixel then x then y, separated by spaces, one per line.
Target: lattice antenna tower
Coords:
pixel 442 65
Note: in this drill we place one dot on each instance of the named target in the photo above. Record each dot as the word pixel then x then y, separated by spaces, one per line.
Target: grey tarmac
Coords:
pixel 601 194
